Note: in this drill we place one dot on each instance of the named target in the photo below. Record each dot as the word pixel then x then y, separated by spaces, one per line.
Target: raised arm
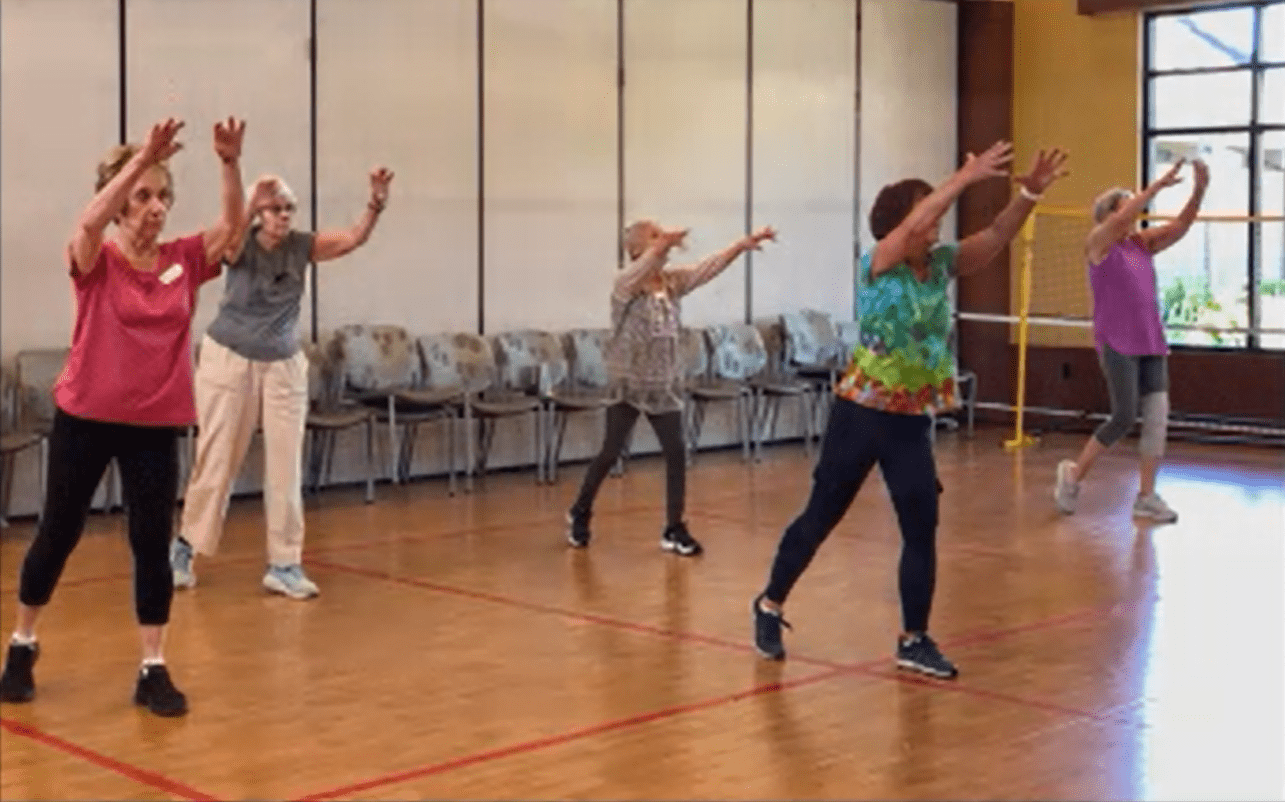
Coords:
pixel 87 238
pixel 893 248
pixel 634 277
pixel 1120 222
pixel 333 244
pixel 262 194
pixel 228 135
pixel 1157 238
pixel 692 276
pixel 978 251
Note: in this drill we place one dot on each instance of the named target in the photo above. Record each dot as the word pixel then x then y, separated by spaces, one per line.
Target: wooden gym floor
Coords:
pixel 460 650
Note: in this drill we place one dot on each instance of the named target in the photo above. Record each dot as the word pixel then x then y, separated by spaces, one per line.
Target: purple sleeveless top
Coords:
pixel 1126 312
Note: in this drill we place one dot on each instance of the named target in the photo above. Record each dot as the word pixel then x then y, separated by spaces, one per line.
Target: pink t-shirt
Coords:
pixel 131 350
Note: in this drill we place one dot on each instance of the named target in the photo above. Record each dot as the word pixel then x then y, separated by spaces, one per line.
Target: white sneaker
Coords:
pixel 290 580
pixel 181 564
pixel 1155 508
pixel 1066 490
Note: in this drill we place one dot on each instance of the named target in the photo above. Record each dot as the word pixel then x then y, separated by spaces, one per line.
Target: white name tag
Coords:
pixel 175 270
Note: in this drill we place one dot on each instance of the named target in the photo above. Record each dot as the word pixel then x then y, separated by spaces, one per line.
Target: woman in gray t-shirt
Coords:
pixel 646 370
pixel 251 368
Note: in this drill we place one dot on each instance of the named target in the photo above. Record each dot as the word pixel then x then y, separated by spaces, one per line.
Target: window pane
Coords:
pixel 1204 39
pixel 1199 101
pixel 1226 155
pixel 1271 99
pixel 1272 34
pixel 1203 280
pixel 1271 237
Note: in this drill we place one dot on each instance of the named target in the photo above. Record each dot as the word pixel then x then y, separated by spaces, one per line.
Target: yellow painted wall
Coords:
pixel 1076 86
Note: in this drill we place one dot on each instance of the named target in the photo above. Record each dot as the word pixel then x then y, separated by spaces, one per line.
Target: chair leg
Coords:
pixel 450 454
pixel 370 460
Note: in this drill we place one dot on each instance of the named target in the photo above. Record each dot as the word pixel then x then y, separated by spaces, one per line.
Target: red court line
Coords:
pixel 574 615
pixel 566 737
pixel 982 693
pixel 148 778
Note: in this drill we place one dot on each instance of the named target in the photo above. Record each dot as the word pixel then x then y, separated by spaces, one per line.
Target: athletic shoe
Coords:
pixel 181 564
pixel 17 683
pixel 920 653
pixel 578 529
pixel 157 693
pixel 1155 508
pixel 1067 490
pixel 677 539
pixel 289 580
pixel 767 630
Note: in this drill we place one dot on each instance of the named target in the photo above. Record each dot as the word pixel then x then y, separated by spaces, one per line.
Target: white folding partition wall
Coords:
pixel 397 86
pixel 506 206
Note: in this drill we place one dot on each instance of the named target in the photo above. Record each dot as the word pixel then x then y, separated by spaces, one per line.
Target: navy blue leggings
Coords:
pixel 857 438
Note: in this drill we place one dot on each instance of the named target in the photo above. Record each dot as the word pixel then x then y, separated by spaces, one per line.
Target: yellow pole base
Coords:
pixel 1025 441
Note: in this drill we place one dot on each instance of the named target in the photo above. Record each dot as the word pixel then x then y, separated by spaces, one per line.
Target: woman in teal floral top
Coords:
pixel 901 372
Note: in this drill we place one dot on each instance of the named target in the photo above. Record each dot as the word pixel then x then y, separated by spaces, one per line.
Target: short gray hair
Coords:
pixel 1107 202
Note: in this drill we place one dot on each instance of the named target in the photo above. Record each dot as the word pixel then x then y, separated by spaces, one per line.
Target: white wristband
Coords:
pixel 1030 196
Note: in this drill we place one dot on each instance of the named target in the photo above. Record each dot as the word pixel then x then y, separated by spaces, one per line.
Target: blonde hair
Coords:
pixel 115 161
pixel 1107 202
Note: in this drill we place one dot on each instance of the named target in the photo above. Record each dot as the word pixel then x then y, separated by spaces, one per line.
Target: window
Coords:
pixel 1214 89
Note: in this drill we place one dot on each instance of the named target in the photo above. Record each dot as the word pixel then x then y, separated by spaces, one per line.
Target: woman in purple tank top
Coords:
pixel 1129 334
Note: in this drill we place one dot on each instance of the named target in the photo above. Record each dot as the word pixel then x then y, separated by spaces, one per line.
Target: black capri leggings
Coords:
pixel 79 451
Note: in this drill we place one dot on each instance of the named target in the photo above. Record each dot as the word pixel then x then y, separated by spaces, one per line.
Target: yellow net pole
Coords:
pixel 1020 438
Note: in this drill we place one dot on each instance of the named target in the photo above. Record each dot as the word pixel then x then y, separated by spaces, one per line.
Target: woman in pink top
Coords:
pixel 1129 334
pixel 126 390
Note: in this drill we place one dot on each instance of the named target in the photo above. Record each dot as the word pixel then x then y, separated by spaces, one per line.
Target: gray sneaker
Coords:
pixel 181 564
pixel 1066 491
pixel 1155 508
pixel 289 580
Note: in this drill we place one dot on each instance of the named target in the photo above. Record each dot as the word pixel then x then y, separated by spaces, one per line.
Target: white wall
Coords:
pixel 908 98
pixel 805 72
pixel 397 85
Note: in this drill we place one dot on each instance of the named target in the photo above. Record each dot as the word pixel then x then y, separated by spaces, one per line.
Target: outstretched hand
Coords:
pixel 1170 177
pixel 990 164
pixel 228 135
pixel 380 178
pixel 764 234
pixel 160 144
pixel 1046 169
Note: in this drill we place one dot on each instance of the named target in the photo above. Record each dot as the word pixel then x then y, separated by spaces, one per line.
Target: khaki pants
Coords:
pixel 232 395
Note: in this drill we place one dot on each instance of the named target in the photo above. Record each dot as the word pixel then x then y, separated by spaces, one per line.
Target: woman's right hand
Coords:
pixel 160 144
pixel 990 164
pixel 1170 177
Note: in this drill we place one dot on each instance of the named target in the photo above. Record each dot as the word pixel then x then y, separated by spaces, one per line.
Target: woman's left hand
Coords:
pixel 758 237
pixel 380 178
pixel 227 138
pixel 1046 169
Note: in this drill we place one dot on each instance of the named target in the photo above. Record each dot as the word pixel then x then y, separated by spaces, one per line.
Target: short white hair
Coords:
pixel 1107 202
pixel 284 192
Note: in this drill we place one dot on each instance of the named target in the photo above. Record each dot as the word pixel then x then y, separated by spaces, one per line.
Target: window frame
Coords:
pixel 1254 129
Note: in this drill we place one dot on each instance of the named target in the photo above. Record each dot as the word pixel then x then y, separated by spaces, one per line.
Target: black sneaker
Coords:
pixel 678 540
pixel 17 683
pixel 920 653
pixel 578 529
pixel 157 693
pixel 767 630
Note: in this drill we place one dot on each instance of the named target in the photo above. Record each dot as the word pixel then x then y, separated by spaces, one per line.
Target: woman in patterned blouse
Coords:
pixel 646 372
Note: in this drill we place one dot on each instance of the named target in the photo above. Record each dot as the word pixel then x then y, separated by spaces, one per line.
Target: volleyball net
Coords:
pixel 1204 289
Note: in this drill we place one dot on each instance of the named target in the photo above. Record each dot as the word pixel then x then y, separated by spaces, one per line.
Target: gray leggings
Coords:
pixel 668 426
pixel 1136 382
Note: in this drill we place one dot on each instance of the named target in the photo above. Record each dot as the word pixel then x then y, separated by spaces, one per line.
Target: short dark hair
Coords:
pixel 893 204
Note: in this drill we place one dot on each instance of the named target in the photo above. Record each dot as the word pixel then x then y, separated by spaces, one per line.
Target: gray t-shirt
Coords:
pixel 261 299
